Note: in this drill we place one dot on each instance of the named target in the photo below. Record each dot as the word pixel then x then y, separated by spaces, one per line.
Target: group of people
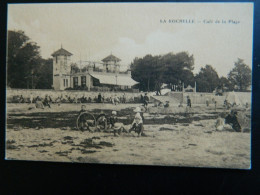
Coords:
pixel 113 123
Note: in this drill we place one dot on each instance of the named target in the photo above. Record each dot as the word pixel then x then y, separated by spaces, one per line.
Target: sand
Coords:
pixel 194 143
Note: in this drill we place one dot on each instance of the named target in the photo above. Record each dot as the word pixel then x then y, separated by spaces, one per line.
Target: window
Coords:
pixel 67 83
pixel 64 80
pixel 75 82
pixel 83 81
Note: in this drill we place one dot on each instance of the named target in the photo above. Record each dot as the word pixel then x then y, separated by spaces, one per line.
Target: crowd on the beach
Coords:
pixel 74 98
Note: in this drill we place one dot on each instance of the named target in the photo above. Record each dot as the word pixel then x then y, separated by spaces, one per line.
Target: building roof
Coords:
pixel 123 80
pixel 61 52
pixel 111 58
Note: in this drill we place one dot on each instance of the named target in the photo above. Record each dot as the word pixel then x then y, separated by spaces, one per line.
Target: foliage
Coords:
pixel 240 76
pixel 44 74
pixel 151 71
pixel 207 79
pixel 23 60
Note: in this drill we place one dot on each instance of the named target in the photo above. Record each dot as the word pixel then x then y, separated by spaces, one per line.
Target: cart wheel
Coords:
pixel 102 122
pixel 86 121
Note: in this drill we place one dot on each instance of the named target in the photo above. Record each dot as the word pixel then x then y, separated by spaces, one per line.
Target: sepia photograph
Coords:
pixel 165 84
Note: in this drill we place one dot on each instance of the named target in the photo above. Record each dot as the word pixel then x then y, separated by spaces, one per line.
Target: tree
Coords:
pixel 240 76
pixel 178 68
pixel 225 84
pixel 44 74
pixel 23 60
pixel 151 71
pixel 207 79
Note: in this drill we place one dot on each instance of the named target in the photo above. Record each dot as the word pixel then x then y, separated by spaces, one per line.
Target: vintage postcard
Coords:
pixel 165 84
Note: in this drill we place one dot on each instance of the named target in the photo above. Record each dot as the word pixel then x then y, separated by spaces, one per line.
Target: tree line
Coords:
pixel 27 69
pixel 175 69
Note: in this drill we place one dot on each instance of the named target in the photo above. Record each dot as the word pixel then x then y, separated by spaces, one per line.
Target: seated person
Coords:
pixel 167 104
pixel 220 123
pixel 232 119
pixel 114 124
pixel 137 125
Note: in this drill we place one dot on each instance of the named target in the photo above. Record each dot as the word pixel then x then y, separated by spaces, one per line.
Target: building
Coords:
pixel 104 74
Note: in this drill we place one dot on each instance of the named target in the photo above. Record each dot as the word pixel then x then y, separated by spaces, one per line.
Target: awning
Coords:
pixel 123 80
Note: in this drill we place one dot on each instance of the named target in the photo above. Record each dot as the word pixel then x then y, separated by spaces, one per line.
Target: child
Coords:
pixel 114 124
pixel 220 123
pixel 137 125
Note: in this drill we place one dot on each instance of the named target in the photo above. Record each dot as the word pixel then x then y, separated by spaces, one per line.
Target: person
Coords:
pixel 21 99
pixel 82 120
pixel 116 100
pixel 115 125
pixel 232 119
pixel 188 101
pixel 46 101
pixel 146 100
pixel 220 123
pixel 167 104
pixel 215 105
pixel 31 98
pixel 99 98
pixel 137 125
pixel 207 102
pixel 124 99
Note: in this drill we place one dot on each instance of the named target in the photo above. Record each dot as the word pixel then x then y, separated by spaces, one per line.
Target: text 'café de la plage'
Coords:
pixel 93 74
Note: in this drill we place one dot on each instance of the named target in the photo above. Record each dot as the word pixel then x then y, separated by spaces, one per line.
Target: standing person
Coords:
pixel 215 105
pixel 99 98
pixel 146 101
pixel 188 101
pixel 31 98
pixel 207 102
pixel 124 98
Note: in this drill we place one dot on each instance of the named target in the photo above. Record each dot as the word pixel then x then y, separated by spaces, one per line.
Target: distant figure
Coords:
pixel 31 98
pixel 46 101
pixel 124 99
pixel 188 101
pixel 146 101
pixel 21 99
pixel 215 103
pixel 99 98
pixel 116 100
pixel 207 102
pixel 167 104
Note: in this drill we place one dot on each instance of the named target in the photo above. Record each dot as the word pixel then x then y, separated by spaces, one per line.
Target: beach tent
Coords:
pixel 232 97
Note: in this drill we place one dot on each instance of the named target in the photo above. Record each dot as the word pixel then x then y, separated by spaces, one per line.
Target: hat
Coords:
pixel 138 116
pixel 137 109
pixel 114 112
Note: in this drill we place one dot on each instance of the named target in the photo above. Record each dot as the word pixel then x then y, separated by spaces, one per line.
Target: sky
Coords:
pixel 92 31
